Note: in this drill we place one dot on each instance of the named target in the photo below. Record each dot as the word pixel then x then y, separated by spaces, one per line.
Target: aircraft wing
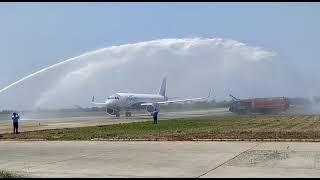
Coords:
pixel 147 104
pixel 92 101
pixel 99 103
pixel 175 101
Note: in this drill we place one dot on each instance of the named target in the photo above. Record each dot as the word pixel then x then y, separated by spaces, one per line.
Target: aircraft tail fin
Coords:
pixel 162 91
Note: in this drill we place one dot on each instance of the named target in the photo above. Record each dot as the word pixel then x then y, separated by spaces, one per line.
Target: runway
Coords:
pixel 153 158
pixel 160 159
pixel 101 119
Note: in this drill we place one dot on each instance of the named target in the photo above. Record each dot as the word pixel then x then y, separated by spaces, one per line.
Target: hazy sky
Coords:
pixel 36 35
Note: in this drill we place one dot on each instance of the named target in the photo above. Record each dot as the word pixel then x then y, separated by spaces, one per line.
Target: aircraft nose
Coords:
pixel 110 102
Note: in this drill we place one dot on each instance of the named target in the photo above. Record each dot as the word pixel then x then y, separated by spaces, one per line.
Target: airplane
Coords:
pixel 129 101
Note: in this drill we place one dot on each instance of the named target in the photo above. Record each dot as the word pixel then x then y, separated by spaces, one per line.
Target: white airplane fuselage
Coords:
pixel 127 101
pixel 131 101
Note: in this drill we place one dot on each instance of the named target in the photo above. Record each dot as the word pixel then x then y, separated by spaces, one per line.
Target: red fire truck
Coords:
pixel 259 105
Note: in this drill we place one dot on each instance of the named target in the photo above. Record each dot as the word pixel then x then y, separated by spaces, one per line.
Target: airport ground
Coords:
pixel 210 127
pixel 85 119
pixel 100 158
pixel 160 159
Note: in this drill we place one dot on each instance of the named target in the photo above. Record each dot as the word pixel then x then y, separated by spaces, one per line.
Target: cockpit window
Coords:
pixel 112 97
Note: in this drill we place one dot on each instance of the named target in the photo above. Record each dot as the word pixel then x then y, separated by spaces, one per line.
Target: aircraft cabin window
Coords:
pixel 113 98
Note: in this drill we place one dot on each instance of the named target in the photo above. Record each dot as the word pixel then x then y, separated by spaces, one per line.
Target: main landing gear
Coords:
pixel 127 114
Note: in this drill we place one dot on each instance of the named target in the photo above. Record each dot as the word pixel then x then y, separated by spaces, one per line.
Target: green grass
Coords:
pixel 226 127
pixel 5 174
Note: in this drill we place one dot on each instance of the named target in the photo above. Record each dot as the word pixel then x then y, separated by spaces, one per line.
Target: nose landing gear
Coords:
pixel 117 114
pixel 128 114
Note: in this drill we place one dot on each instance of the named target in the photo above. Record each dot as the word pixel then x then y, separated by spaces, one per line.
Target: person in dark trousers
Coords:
pixel 155 116
pixel 15 119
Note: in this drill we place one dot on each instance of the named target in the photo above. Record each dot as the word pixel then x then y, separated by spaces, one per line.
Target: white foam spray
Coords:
pixel 47 69
pixel 192 66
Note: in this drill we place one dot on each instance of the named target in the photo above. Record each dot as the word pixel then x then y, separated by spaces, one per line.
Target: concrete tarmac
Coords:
pixel 68 122
pixel 160 159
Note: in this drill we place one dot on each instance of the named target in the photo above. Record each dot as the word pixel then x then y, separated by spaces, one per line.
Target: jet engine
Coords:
pixel 110 111
pixel 150 108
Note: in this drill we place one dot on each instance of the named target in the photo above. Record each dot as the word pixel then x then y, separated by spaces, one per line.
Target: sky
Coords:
pixel 37 35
